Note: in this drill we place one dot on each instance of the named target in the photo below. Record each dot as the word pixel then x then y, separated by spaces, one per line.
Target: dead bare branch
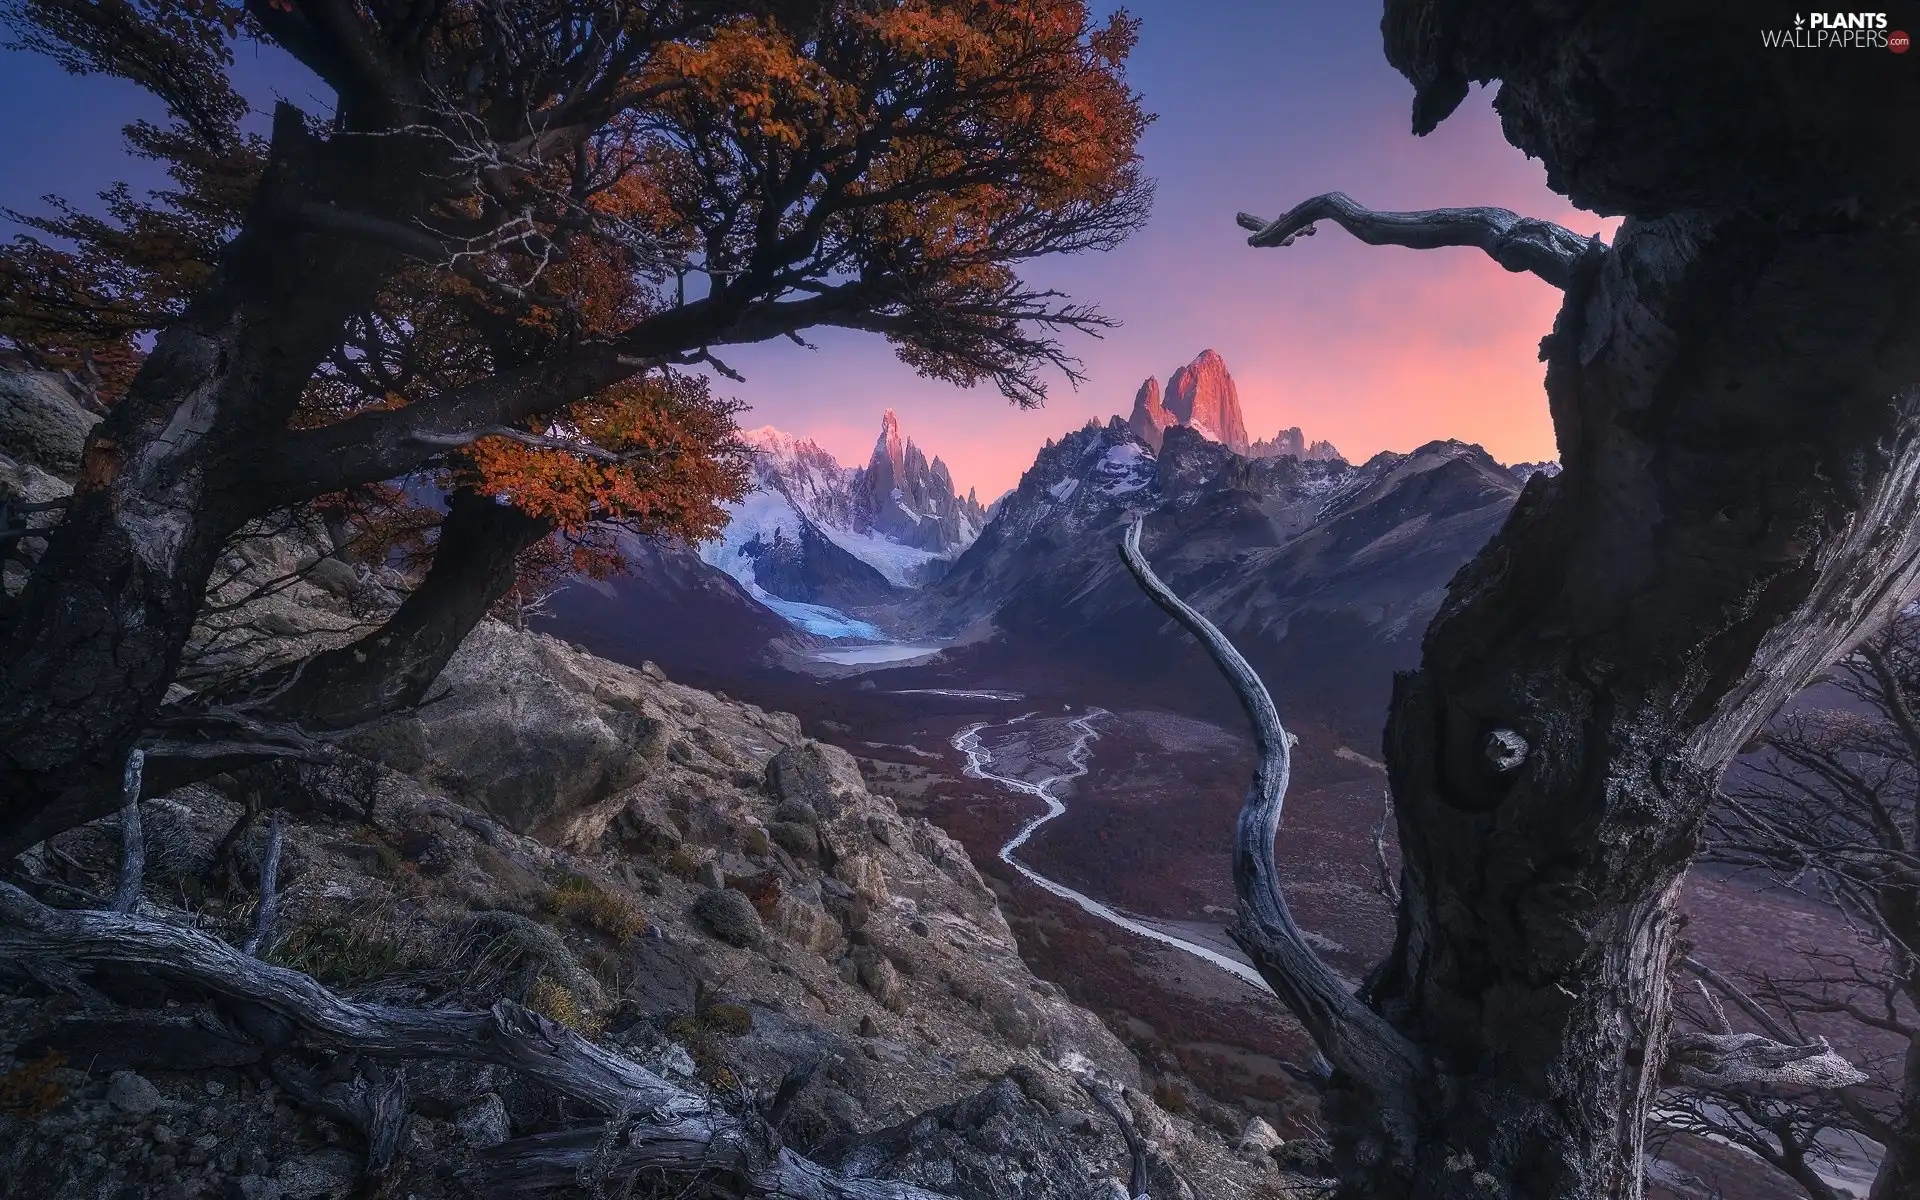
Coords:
pixel 1722 1060
pixel 1353 1037
pixel 667 1129
pixel 133 842
pixel 269 905
pixel 1515 242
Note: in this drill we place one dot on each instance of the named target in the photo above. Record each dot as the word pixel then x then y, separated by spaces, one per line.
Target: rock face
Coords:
pixel 1202 397
pixel 533 756
pixel 41 423
pixel 1291 443
pixel 1150 417
pixel 911 500
pixel 816 541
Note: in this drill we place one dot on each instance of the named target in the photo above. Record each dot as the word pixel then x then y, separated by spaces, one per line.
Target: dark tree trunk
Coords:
pixel 88 649
pixel 392 667
pixel 1899 1175
pixel 1738 506
pixel 1734 385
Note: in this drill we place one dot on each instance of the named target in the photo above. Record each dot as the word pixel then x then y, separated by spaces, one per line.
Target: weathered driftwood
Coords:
pixel 663 1128
pixel 374 1105
pixel 1721 1060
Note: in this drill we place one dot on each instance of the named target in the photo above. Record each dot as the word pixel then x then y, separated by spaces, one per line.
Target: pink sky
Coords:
pixel 1372 348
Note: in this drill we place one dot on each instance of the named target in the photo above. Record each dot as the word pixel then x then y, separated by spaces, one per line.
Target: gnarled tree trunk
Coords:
pixel 474 563
pixel 1737 507
pixel 1734 384
pixel 88 649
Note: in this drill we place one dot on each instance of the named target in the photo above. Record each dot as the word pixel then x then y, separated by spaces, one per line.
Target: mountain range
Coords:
pixel 1326 572
pixel 814 537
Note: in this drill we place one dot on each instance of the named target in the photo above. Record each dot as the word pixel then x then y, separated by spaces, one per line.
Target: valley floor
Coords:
pixel 1140 837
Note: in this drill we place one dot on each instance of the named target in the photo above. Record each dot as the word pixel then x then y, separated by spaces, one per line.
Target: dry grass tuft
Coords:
pixel 586 903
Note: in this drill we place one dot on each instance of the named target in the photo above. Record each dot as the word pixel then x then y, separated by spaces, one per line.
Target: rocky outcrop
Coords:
pixel 1201 396
pixel 534 756
pixel 1150 417
pixel 1292 443
pixel 666 909
pixel 912 500
pixel 41 422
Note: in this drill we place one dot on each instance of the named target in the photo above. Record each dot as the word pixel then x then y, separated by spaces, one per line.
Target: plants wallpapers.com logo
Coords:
pixel 1837 31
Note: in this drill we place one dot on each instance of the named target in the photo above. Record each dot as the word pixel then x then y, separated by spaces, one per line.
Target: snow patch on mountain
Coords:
pixel 904 566
pixel 815 538
pixel 818 619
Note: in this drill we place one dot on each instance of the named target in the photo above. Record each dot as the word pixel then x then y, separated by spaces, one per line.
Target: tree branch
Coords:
pixel 1136 1149
pixel 1733 992
pixel 585 449
pixel 269 904
pixel 1515 242
pixel 1354 1038
pixel 1731 1060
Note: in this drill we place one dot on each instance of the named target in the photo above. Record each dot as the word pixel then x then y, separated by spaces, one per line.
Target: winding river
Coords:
pixel 980 765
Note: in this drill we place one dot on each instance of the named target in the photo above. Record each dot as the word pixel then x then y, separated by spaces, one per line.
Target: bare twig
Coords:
pixel 269 905
pixel 133 843
pixel 1515 242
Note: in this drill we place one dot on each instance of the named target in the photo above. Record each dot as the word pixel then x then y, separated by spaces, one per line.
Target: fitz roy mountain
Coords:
pixel 815 538
pixel 1201 396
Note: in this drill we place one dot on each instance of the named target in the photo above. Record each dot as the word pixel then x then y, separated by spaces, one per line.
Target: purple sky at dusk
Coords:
pixel 1260 105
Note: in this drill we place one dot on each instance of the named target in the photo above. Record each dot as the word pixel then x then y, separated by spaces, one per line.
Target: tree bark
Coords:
pixel 474 564
pixel 88 648
pixel 1735 405
pixel 1899 1174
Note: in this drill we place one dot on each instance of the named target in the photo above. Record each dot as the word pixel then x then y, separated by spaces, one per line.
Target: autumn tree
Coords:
pixel 1732 382
pixel 488 262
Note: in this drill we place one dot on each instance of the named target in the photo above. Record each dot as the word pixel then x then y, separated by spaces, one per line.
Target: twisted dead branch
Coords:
pixel 663 1128
pixel 1515 242
pixel 1354 1038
